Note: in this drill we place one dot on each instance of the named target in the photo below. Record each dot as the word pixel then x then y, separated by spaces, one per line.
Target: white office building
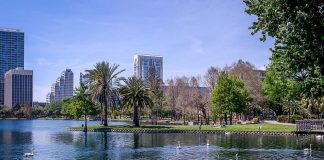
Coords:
pixel 18 87
pixel 142 64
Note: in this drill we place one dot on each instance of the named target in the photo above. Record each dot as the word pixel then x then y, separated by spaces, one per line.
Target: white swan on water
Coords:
pixel 29 154
pixel 178 147
pixel 308 149
pixel 236 157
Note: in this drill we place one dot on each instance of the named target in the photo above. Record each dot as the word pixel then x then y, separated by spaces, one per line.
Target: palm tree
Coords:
pixel 103 82
pixel 135 94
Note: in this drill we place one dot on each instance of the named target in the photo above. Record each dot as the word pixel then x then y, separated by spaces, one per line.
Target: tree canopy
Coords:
pixel 103 82
pixel 229 96
pixel 279 90
pixel 135 94
pixel 298 30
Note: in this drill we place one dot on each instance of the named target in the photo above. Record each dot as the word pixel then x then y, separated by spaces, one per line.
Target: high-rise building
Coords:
pixel 50 97
pixel 11 54
pixel 62 88
pixel 143 63
pixel 18 87
pixel 83 78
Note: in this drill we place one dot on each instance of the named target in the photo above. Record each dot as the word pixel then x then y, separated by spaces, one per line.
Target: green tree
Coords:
pixel 135 94
pixel 5 111
pixel 37 111
pixel 229 96
pixel 298 30
pixel 103 81
pixel 281 91
pixel 15 110
pixel 53 109
pixel 82 105
pixel 252 82
pixel 66 107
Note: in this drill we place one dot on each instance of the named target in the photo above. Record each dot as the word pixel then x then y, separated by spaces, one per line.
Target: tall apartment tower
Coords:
pixel 142 64
pixel 11 54
pixel 18 87
pixel 62 88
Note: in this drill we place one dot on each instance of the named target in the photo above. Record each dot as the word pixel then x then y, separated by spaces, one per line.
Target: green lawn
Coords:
pixel 246 127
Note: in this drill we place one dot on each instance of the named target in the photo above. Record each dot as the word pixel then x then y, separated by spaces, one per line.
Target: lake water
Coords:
pixel 51 140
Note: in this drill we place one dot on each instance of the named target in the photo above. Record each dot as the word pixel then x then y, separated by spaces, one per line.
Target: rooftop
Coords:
pixel 147 55
pixel 9 30
pixel 19 70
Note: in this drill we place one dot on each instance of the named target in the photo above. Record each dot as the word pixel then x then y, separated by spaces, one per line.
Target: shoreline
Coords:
pixel 254 129
pixel 226 132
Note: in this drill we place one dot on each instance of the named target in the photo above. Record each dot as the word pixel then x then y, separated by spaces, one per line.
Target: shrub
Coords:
pixel 255 120
pixel 285 118
pixel 295 117
pixel 282 118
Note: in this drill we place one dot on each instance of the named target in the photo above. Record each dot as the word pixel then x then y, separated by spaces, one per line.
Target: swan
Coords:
pixel 208 143
pixel 178 147
pixel 308 149
pixel 29 154
pixel 227 133
pixel 319 136
pixel 236 157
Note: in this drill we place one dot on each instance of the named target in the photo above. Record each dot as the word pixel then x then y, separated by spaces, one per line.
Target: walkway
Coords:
pixel 275 122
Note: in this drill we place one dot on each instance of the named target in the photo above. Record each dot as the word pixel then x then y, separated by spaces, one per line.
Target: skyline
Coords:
pixel 68 34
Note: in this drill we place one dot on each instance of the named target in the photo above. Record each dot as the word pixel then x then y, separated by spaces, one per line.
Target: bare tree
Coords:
pixel 248 73
pixel 210 80
pixel 171 96
pixel 156 94
pixel 182 85
pixel 199 99
pixel 211 77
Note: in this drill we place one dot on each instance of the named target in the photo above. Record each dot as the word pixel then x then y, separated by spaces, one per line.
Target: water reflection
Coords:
pixel 51 140
pixel 156 146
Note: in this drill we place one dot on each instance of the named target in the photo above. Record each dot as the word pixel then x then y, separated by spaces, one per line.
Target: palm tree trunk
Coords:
pixel 106 111
pixel 135 117
pixel 101 120
pixel 85 123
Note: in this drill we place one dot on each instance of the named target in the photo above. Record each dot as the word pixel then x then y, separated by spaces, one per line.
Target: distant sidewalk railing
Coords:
pixel 309 125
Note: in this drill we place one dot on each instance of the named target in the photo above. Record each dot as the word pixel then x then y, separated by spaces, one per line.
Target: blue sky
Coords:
pixel 191 35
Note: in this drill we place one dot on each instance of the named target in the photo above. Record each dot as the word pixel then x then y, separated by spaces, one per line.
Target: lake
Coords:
pixel 51 140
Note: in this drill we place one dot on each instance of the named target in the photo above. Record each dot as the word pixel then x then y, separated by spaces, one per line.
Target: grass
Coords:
pixel 246 127
pixel 9 118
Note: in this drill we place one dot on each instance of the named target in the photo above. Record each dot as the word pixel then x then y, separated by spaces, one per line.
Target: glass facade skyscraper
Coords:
pixel 142 64
pixel 62 88
pixel 11 54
